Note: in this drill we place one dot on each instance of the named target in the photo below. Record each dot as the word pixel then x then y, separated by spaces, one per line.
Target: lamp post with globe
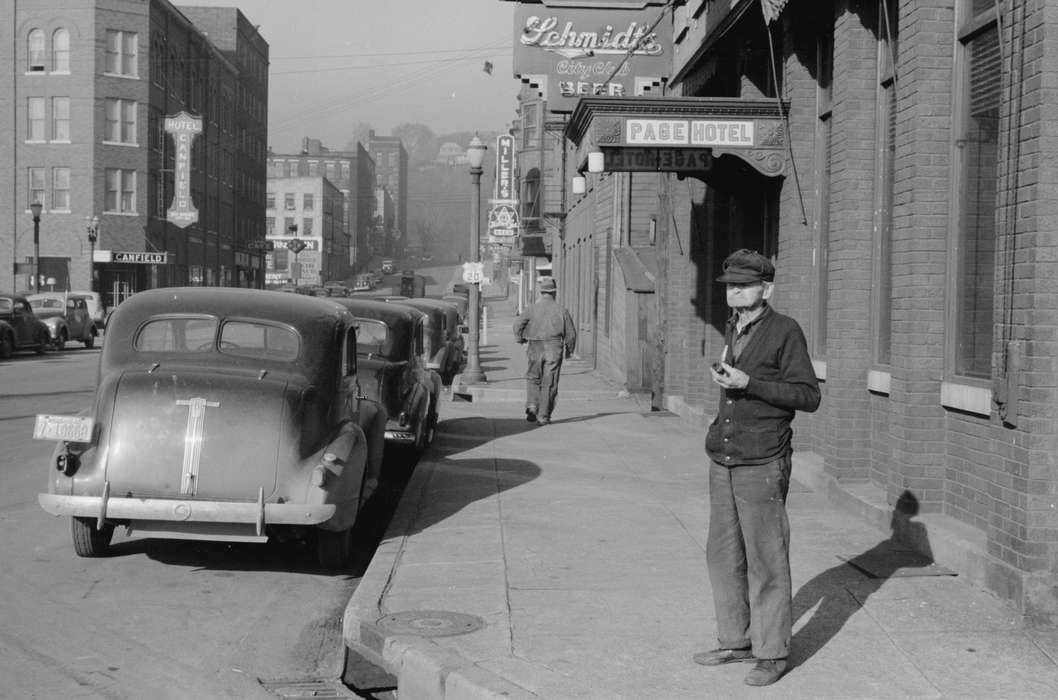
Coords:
pixel 473 374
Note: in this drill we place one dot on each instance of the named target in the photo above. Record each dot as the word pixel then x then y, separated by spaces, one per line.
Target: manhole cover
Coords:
pixel 431 623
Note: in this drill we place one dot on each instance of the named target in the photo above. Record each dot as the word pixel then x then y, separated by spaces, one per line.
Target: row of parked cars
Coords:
pixel 48 320
pixel 238 415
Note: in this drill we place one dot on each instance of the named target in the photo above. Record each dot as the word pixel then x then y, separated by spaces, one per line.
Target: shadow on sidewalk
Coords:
pixel 841 591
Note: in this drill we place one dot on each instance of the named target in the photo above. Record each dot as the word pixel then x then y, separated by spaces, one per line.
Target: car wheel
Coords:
pixel 88 541
pixel 334 549
pixel 60 342
pixel 43 341
pixel 90 341
pixel 7 346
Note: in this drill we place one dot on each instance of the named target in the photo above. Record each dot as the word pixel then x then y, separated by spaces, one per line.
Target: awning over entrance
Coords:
pixel 678 134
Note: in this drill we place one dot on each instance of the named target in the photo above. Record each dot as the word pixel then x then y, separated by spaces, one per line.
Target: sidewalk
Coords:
pixel 568 561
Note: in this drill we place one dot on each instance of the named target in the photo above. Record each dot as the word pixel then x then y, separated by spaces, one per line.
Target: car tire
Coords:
pixel 7 346
pixel 60 342
pixel 334 550
pixel 90 341
pixel 87 540
pixel 43 341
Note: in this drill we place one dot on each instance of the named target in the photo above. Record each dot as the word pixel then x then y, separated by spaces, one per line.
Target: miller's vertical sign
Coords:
pixel 589 48
pixel 503 215
pixel 184 128
pixel 505 167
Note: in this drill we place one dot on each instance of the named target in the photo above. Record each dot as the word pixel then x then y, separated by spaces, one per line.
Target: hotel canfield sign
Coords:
pixel 614 48
pixel 184 128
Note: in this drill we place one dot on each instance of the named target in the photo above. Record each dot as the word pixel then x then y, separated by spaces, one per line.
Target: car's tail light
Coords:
pixel 67 463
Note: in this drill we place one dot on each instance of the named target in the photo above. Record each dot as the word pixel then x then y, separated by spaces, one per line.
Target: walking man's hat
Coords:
pixel 547 285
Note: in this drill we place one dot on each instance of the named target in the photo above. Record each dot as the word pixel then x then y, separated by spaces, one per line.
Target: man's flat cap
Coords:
pixel 746 267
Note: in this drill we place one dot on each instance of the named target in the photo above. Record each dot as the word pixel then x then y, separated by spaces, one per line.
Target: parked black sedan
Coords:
pixel 391 350
pixel 444 342
pixel 20 329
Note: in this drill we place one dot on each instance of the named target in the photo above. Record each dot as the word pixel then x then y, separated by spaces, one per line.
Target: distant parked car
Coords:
pixel 392 358
pixel 220 414
pixel 363 283
pixel 66 316
pixel 96 308
pixel 388 267
pixel 20 329
pixel 444 342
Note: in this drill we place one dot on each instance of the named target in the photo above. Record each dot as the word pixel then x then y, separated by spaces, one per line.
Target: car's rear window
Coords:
pixel 371 337
pixel 5 304
pixel 256 339
pixel 177 334
pixel 248 338
pixel 46 303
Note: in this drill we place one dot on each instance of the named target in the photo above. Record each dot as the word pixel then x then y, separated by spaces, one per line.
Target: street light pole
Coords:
pixel 473 374
pixel 92 225
pixel 35 210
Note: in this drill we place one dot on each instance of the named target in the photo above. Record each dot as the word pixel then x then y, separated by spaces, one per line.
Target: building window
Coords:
pixel 885 180
pixel 270 226
pixel 278 168
pixel 306 227
pixel 328 168
pixel 270 201
pixel 288 202
pixel 35 180
pixel 345 170
pixel 314 168
pixel 823 157
pixel 120 191
pixel 977 154
pixel 120 121
pixel 60 119
pixel 35 114
pixel 122 51
pixel 35 49
pixel 292 168
pixel 60 51
pixel 307 203
pixel 60 189
pixel 530 124
pixel 531 194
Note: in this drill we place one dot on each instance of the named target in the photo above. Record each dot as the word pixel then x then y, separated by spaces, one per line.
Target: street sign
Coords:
pixel 473 272
pixel 296 246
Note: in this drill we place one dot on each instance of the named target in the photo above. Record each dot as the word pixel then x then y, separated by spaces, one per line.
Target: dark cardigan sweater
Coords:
pixel 752 425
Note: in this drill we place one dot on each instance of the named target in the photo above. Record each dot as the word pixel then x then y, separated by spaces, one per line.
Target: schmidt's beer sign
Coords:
pixel 184 128
pixel 607 48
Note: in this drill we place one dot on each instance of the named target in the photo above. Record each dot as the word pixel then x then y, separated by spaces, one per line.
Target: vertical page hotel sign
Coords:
pixel 184 128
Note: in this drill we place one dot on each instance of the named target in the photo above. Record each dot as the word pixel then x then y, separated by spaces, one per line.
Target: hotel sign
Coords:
pixel 612 49
pixel 183 127
pixel 138 258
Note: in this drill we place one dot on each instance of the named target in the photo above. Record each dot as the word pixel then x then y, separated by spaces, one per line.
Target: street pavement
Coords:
pixel 568 561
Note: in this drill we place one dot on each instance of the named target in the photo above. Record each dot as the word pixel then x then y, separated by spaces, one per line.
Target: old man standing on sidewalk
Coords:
pixel 549 331
pixel 767 376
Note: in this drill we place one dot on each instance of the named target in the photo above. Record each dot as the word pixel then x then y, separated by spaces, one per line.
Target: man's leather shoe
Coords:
pixel 717 657
pixel 530 414
pixel 766 672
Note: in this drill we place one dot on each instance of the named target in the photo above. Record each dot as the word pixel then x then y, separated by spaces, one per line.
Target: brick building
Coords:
pixel 391 172
pixel 353 173
pixel 894 165
pixel 91 88
pixel 311 210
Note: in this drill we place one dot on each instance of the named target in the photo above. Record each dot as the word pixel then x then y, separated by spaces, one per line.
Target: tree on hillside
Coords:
pixel 419 141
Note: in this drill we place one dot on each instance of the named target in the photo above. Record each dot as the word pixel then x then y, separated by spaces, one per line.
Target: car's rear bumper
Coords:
pixel 190 511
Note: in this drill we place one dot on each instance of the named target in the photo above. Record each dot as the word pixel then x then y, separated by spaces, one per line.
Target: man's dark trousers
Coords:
pixel 541 376
pixel 748 553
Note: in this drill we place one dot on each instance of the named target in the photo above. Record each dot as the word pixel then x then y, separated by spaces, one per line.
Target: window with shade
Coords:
pixel 120 126
pixel 977 179
pixel 60 51
pixel 36 51
pixel 120 194
pixel 122 52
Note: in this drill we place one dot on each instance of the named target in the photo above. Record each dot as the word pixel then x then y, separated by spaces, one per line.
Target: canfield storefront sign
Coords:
pixel 183 127
pixel 135 257
pixel 679 134
pixel 570 49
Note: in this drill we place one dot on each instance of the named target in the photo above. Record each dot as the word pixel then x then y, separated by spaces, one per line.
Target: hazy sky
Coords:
pixel 338 62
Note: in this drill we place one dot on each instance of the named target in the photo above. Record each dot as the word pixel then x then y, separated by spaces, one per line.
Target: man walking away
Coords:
pixel 548 329
pixel 766 376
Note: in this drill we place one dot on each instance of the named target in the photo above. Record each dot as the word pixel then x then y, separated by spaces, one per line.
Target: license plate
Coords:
pixel 68 428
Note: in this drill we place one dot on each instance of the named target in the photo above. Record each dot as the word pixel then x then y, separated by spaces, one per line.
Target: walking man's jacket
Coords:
pixel 547 320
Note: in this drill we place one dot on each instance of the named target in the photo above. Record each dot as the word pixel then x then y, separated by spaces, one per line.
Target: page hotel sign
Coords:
pixel 573 52
pixel 184 128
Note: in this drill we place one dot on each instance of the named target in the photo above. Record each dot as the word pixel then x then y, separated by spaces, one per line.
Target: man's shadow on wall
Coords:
pixel 841 591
